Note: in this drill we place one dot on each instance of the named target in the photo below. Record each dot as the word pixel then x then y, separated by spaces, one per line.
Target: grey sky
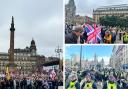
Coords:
pixel 85 7
pixel 37 19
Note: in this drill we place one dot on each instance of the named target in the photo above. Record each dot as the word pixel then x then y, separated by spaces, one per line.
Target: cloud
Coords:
pixel 85 7
pixel 41 20
pixel 106 59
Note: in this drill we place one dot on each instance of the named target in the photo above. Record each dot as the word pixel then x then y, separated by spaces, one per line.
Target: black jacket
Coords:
pixel 71 38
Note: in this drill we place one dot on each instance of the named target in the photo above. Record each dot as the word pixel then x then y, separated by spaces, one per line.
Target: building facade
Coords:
pixel 116 10
pixel 71 17
pixel 26 59
pixel 119 56
pixel 70 12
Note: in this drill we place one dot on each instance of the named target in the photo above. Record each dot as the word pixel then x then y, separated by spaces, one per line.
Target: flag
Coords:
pixel 93 32
pixel 7 73
pixel 88 28
pixel 88 20
pixel 53 74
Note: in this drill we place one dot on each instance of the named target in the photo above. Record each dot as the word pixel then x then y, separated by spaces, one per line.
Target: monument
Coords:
pixel 11 65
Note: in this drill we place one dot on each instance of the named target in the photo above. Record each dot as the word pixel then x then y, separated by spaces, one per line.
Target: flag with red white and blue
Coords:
pixel 93 32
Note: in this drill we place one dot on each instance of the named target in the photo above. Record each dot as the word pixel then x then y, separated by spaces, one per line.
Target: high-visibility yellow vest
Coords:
pixel 88 85
pixel 125 38
pixel 72 85
pixel 109 86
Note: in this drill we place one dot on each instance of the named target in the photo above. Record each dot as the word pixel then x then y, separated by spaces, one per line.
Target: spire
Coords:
pixel 71 2
pixel 32 42
pixel 12 25
pixel 12 19
pixel 33 45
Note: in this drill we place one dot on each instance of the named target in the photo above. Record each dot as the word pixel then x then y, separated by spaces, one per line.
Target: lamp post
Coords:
pixel 80 55
pixel 58 51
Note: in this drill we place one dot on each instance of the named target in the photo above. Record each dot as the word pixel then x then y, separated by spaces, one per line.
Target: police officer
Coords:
pixel 73 84
pixel 111 83
pixel 88 83
pixel 125 38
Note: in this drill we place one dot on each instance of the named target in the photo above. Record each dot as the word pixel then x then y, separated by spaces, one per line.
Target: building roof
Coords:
pixel 121 6
pixel 26 50
pixel 3 53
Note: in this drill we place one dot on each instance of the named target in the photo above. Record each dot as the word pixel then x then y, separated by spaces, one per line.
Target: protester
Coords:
pixel 73 83
pixel 111 84
pixel 74 36
pixel 88 83
pixel 37 80
pixel 107 37
pixel 125 38
pixel 113 33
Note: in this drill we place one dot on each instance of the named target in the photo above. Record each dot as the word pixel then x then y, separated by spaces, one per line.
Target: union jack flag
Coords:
pixel 93 32
pixel 53 74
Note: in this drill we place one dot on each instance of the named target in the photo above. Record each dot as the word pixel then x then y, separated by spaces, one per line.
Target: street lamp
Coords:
pixel 80 55
pixel 58 51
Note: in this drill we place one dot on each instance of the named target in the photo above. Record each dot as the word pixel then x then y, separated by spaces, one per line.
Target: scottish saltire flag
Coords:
pixel 93 32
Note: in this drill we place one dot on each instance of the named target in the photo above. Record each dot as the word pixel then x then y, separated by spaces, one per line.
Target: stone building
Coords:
pixel 27 59
pixel 72 18
pixel 70 12
pixel 119 56
pixel 116 10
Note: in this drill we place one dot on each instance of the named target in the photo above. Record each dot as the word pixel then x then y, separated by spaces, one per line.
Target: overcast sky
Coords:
pixel 85 7
pixel 37 19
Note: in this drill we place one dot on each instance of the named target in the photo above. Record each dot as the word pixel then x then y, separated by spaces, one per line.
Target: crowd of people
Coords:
pixel 36 80
pixel 77 34
pixel 96 79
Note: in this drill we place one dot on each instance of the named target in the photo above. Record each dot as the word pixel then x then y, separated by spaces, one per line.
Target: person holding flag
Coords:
pixel 74 36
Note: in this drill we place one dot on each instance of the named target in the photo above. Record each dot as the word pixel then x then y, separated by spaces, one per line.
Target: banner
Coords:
pixel 7 73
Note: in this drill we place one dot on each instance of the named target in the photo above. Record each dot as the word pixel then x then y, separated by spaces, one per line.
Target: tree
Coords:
pixel 114 21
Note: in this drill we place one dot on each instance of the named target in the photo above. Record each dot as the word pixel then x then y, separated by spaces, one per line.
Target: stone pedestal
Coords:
pixel 12 67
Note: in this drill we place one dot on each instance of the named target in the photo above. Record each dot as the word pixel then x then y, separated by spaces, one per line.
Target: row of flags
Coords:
pixel 8 74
